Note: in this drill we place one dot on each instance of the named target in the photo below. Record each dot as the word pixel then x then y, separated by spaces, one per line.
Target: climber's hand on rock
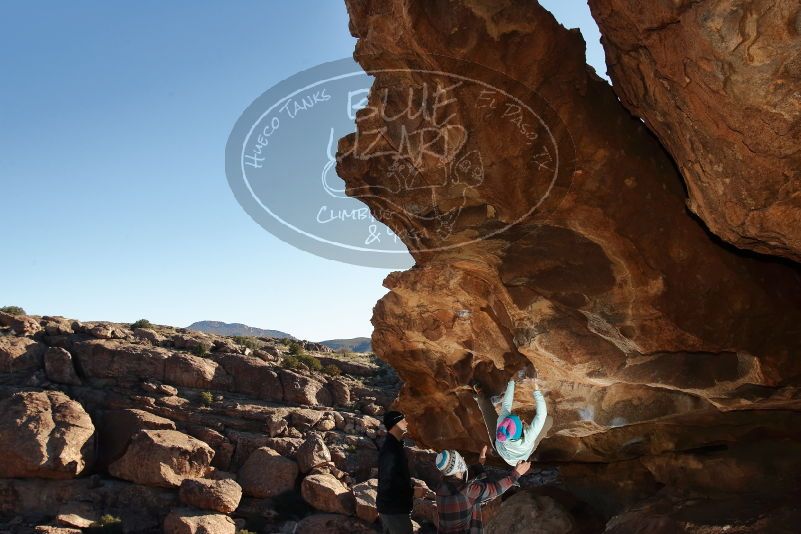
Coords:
pixel 522 468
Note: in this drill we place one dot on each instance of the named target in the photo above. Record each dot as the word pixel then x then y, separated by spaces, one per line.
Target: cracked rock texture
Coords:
pixel 549 226
pixel 719 82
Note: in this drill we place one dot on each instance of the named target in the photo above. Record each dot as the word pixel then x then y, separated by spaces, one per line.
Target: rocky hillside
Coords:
pixel 234 329
pixel 167 430
pixel 549 225
pixel 356 344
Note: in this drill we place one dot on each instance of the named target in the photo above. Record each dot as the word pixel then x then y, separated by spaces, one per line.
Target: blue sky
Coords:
pixel 113 193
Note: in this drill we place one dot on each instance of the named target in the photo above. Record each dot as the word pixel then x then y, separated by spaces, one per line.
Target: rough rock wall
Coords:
pixel 650 336
pixel 168 430
pixel 719 82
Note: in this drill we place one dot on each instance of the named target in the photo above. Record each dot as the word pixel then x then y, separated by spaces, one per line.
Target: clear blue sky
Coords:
pixel 115 206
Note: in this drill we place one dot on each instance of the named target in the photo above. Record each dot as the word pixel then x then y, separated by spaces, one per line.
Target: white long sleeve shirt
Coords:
pixel 517 450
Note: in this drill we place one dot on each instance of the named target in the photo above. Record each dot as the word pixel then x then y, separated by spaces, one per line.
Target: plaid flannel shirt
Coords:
pixel 459 508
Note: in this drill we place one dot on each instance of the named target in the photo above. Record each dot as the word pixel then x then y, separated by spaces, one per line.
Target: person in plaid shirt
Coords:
pixel 459 499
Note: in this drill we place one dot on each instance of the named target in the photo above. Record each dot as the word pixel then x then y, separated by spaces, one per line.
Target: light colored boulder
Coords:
pixel 59 367
pixel 163 458
pixel 189 521
pixel 22 325
pixel 305 418
pixel 51 529
pixel 149 334
pixel 267 474
pixel 187 370
pixel 58 326
pixel 221 495
pixel 312 453
pixel 276 423
pixel 44 434
pixel 251 376
pixel 77 515
pixel 300 389
pixel 327 494
pixel 20 354
pixel 117 427
pixel 109 358
pixel 365 494
pixel 524 509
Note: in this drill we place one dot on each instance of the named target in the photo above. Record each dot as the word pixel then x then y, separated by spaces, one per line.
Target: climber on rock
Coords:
pixel 459 499
pixel 514 440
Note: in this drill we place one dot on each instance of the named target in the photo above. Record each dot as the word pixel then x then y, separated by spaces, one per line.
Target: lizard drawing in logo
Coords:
pixel 449 176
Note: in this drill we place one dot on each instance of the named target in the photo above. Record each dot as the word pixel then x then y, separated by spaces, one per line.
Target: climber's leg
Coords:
pixel 488 413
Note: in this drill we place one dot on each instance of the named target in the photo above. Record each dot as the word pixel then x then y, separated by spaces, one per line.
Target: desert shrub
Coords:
pixel 247 341
pixel 332 370
pixel 201 349
pixel 13 310
pixel 108 519
pixel 142 323
pixel 106 523
pixel 295 348
pixel 311 362
pixel 206 398
pixel 293 361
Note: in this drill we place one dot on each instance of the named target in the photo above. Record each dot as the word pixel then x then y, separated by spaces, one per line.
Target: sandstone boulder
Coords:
pixel 332 524
pixel 312 453
pixel 340 392
pixel 587 266
pixel 327 494
pixel 299 389
pixel 276 423
pixel 20 354
pixel 44 434
pixel 285 446
pixel 149 334
pixel 195 341
pixel 189 521
pixel 60 367
pixel 110 358
pixel 77 515
pixel 524 509
pixel 22 325
pixel 222 495
pixel 727 114
pixel 117 427
pixel 162 458
pixel 58 326
pixel 267 474
pixel 52 529
pixel 303 418
pixel 252 376
pixel 364 495
pixel 187 370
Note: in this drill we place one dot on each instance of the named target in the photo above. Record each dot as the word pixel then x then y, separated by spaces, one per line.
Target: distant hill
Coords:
pixel 235 329
pixel 356 344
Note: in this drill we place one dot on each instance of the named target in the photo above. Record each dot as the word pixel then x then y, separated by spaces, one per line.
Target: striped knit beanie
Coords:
pixel 450 463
